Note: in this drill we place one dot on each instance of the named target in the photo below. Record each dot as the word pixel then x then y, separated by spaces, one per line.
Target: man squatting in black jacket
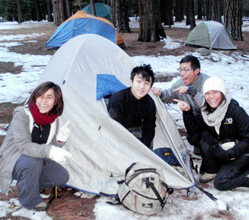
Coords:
pixel 134 108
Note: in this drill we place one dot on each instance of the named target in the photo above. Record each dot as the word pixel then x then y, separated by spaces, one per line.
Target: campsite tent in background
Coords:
pixel 83 23
pixel 210 34
pixel 102 10
pixel 91 67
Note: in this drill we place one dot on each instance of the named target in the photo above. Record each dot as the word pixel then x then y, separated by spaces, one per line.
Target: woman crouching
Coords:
pixel 224 143
pixel 32 146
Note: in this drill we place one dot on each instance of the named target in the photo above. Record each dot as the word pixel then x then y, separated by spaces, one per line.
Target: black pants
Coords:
pixel 230 174
pixel 194 139
pixel 210 164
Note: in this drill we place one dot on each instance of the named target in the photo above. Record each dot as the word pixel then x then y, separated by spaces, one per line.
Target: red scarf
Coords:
pixel 39 118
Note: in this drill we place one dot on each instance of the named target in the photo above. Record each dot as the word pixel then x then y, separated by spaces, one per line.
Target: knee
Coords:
pixel 62 178
pixel 217 185
pixel 27 164
pixel 204 146
pixel 34 165
pixel 193 139
pixel 65 177
pixel 220 184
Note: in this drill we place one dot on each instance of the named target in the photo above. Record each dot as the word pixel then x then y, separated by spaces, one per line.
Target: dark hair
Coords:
pixel 194 62
pixel 146 72
pixel 207 108
pixel 41 89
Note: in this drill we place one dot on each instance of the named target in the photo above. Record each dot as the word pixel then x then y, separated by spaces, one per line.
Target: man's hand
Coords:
pixel 156 91
pixel 183 105
pixel 181 89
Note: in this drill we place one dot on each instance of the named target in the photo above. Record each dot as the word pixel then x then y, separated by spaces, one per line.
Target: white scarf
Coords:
pixel 214 119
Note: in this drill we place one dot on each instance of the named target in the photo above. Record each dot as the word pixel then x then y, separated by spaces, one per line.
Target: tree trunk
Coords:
pixel 233 18
pixel 56 12
pixel 166 12
pixel 207 10
pixel 163 11
pixel 219 12
pixel 150 21
pixel 190 14
pixel 93 7
pixel 199 8
pixel 214 10
pixel 37 10
pixel 49 11
pixel 68 9
pixel 179 10
pixel 62 11
pixel 19 11
pixel 120 16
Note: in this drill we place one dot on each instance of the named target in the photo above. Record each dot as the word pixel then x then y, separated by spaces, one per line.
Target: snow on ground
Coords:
pixel 233 69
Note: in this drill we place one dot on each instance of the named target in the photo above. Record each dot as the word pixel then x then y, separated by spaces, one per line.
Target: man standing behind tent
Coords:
pixel 188 89
pixel 134 108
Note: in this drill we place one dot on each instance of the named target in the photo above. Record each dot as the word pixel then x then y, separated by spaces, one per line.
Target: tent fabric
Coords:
pixel 102 148
pixel 102 10
pixel 210 34
pixel 83 23
pixel 107 85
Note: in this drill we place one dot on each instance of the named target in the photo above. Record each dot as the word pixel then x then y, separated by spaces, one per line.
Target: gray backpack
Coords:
pixel 144 190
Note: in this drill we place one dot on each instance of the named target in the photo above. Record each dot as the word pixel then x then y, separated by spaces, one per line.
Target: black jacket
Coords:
pixel 131 113
pixel 234 126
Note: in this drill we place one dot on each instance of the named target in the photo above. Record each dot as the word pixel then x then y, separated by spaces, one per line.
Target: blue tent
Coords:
pixel 83 23
pixel 102 10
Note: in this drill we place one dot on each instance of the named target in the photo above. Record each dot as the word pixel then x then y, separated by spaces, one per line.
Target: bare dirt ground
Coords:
pixel 69 206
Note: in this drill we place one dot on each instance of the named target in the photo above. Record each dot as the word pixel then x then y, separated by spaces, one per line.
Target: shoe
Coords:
pixel 197 151
pixel 206 177
pixel 41 207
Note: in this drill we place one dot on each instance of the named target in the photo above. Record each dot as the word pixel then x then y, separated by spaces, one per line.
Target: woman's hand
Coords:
pixel 58 154
pixel 63 133
pixel 183 105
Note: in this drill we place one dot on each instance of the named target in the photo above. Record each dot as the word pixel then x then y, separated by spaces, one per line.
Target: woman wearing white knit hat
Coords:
pixel 224 142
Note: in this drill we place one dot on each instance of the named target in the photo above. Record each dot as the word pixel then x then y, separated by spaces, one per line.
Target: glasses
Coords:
pixel 185 70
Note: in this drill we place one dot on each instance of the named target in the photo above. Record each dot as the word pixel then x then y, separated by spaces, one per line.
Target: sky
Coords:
pixel 231 67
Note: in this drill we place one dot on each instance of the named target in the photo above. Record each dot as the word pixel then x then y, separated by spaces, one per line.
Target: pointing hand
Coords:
pixel 183 105
pixel 181 89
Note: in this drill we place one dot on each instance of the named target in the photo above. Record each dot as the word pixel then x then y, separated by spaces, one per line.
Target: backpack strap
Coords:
pixel 151 185
pixel 129 168
pixel 169 190
pixel 114 203
pixel 166 186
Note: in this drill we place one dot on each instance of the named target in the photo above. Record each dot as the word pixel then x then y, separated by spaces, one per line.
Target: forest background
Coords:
pixel 162 12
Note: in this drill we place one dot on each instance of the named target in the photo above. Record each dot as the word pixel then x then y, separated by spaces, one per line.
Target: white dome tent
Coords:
pixel 102 149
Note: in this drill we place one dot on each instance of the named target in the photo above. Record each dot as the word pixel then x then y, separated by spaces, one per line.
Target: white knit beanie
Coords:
pixel 214 83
